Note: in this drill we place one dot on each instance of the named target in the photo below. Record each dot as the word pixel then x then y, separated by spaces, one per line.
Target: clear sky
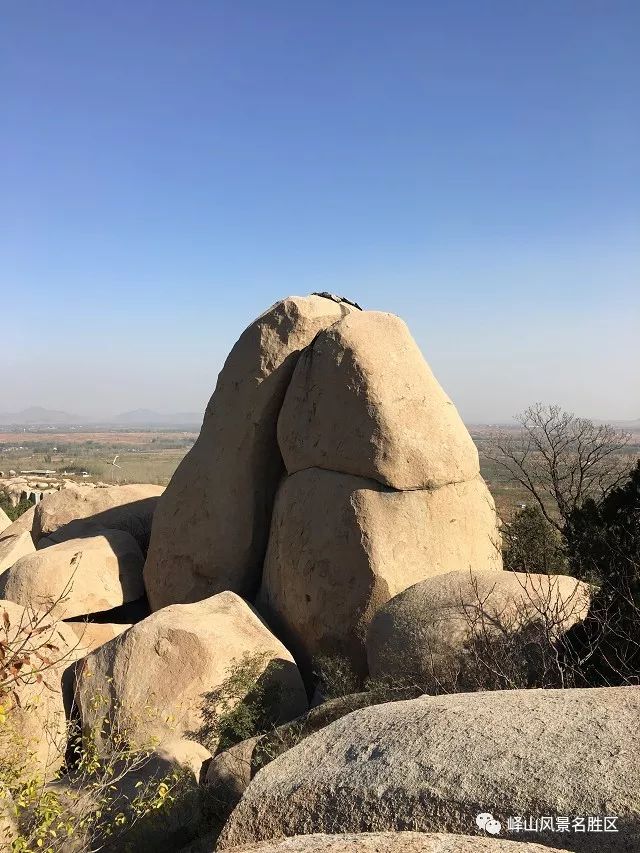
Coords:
pixel 169 168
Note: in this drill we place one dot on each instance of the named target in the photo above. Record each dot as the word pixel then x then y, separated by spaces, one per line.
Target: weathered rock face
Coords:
pixel 211 528
pixel 35 731
pixel 12 548
pixel 427 632
pixel 230 771
pixel 342 546
pixel 388 842
pixel 5 521
pixel 434 763
pixel 363 401
pixel 74 512
pixel 161 676
pixel 23 524
pixel 79 576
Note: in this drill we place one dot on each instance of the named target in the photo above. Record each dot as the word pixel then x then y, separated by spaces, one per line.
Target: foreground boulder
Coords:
pixel 432 632
pixel 212 524
pixel 12 548
pixel 341 546
pixel 79 576
pixel 80 511
pixel 386 842
pixel 34 734
pixel 363 401
pixel 162 678
pixel 433 763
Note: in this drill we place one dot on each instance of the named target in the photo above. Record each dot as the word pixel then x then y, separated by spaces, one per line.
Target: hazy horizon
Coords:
pixel 169 171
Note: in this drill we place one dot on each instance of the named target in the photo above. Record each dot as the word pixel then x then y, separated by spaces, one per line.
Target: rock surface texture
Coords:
pixel 432 764
pixel 342 546
pixel 12 548
pixel 161 677
pixel 5 521
pixel 23 524
pixel 388 842
pixel 363 401
pixel 74 512
pixel 79 576
pixel 211 527
pixel 425 633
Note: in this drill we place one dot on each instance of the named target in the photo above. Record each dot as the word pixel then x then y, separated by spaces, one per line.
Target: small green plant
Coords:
pixel 14 512
pixel 245 704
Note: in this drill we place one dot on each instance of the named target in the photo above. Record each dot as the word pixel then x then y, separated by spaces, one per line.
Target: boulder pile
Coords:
pixel 331 510
pixel 331 473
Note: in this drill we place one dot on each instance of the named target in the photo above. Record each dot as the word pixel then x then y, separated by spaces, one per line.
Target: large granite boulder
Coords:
pixel 433 632
pixel 433 764
pixel 82 510
pixel 342 546
pixel 79 576
pixel 210 531
pixel 363 401
pixel 163 676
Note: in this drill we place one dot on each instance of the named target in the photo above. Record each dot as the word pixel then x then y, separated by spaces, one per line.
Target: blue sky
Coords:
pixel 170 169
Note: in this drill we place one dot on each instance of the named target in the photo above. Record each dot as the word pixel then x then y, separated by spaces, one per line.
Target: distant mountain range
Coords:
pixel 39 416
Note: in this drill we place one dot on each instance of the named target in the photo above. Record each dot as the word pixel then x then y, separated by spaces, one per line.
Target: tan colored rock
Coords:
pixel 35 731
pixel 79 576
pixel 435 762
pixel 426 633
pixel 211 528
pixel 92 635
pixel 81 511
pixel 12 548
pixel 388 842
pixel 341 546
pixel 5 521
pixel 161 676
pixel 23 524
pixel 363 401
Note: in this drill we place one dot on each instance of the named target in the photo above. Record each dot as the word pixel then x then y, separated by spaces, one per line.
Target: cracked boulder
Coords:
pixel 211 526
